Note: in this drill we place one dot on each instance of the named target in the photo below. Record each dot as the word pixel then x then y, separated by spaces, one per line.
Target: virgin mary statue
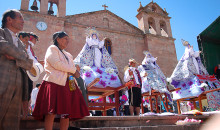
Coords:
pixel 184 75
pixel 152 76
pixel 96 62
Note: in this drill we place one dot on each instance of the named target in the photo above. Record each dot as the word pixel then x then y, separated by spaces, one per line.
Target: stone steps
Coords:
pixel 159 127
pixel 121 123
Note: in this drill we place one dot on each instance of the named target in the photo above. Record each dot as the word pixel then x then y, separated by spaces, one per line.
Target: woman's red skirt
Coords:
pixel 59 100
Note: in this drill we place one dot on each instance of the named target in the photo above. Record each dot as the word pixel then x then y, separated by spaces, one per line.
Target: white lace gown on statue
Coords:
pixel 98 45
pixel 96 62
pixel 155 78
pixel 184 77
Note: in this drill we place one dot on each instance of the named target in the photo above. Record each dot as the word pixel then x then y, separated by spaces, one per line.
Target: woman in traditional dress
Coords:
pixel 56 96
pixel 95 62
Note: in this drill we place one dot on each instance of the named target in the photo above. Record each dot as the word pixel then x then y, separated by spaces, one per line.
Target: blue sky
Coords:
pixel 188 17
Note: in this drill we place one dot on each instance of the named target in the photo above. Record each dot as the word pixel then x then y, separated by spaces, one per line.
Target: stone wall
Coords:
pixel 124 45
pixel 127 40
pixel 164 49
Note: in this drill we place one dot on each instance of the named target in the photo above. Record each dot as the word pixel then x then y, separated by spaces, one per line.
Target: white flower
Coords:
pixel 109 70
pixel 86 68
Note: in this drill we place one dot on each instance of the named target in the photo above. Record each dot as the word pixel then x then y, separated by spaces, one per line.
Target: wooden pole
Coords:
pixel 178 106
pixel 117 102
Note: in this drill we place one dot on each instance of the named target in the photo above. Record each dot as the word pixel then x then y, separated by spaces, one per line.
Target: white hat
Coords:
pixel 132 60
pixel 38 68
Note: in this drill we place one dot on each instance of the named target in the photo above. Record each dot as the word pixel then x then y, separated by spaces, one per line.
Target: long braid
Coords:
pixel 60 35
pixel 61 51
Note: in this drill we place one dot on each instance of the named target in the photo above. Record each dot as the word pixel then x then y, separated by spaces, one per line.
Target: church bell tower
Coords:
pixel 40 18
pixel 43 7
pixel 155 24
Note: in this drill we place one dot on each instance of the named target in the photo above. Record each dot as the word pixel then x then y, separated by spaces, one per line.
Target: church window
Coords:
pixel 106 22
pixel 108 45
pixel 154 9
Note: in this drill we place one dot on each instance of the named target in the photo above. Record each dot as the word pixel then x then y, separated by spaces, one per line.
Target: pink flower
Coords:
pixel 102 83
pixel 190 83
pixel 113 77
pixel 88 74
pixel 184 85
pixel 99 71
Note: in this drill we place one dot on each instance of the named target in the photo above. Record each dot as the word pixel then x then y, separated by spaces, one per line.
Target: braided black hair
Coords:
pixel 56 35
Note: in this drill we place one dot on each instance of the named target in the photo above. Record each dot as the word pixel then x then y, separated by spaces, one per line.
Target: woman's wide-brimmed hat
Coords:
pixel 34 74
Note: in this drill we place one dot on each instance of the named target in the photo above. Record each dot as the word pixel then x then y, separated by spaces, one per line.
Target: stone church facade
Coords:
pixel 123 39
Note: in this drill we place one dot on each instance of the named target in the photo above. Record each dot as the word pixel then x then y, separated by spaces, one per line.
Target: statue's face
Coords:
pixel 132 64
pixel 189 46
pixel 94 36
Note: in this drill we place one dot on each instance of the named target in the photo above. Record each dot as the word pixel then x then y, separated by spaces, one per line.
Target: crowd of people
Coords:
pixel 58 96
pixel 62 95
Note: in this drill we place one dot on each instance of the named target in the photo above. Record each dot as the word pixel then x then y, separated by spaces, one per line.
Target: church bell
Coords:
pixel 50 11
pixel 34 6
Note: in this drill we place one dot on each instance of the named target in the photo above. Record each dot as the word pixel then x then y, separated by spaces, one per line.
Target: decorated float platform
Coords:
pixel 149 122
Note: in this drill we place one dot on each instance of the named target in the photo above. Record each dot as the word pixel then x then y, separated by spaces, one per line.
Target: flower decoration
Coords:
pixel 109 70
pixel 203 89
pixel 99 71
pixel 190 83
pixel 184 85
pixel 86 68
pixel 187 121
pixel 113 77
pixel 102 83
pixel 88 74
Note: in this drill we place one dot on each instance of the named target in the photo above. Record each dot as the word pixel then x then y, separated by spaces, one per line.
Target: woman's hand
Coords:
pixel 78 68
pixel 76 74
